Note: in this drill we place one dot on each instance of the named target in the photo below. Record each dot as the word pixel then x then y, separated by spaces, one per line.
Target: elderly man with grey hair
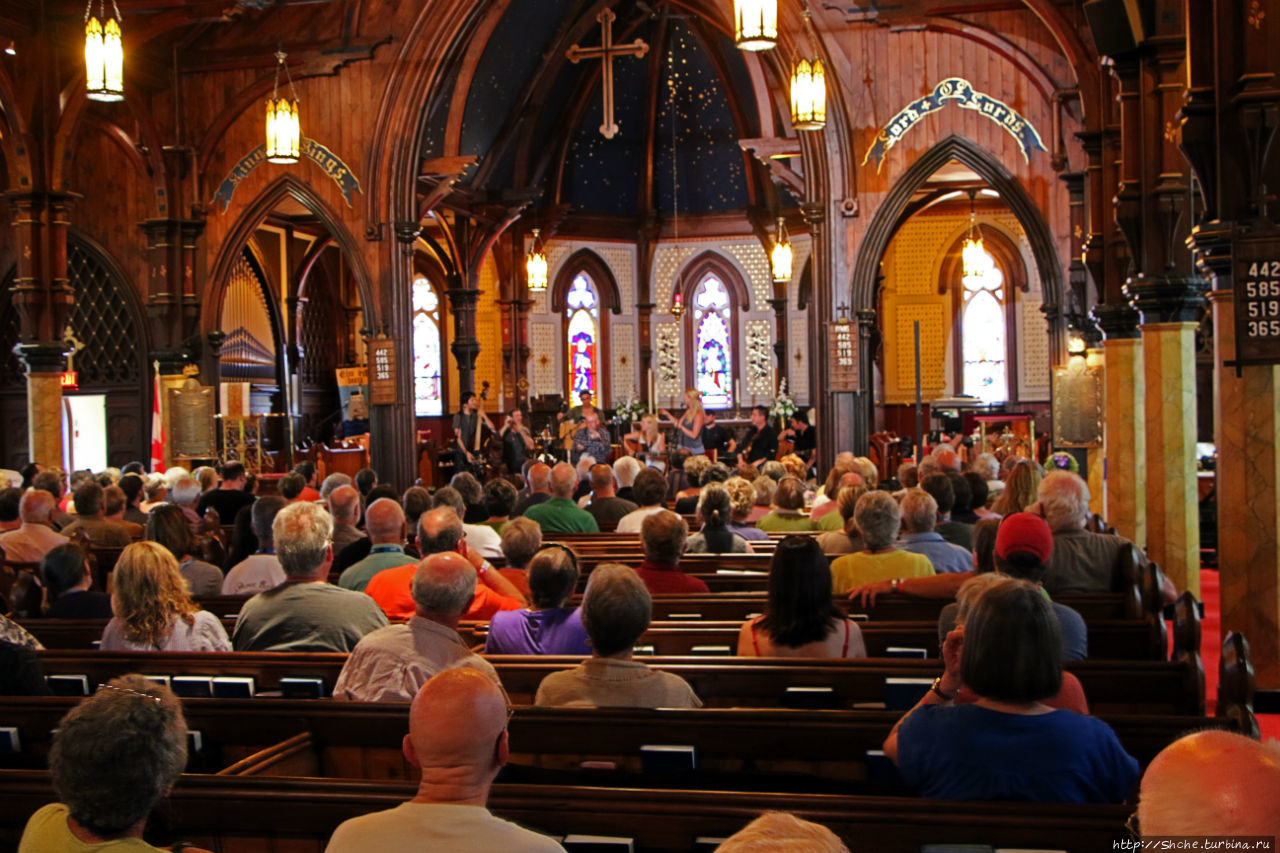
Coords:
pixel 1082 561
pixel 385 521
pixel 392 663
pixel 664 535
pixel 261 570
pixel 625 469
pixel 919 515
pixel 616 610
pixel 332 482
pixel 560 514
pixel 344 506
pixel 480 537
pixel 305 613
pixel 184 493
pixel 34 537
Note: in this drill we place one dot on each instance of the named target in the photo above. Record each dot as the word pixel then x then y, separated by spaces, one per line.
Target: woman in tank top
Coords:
pixel 689 426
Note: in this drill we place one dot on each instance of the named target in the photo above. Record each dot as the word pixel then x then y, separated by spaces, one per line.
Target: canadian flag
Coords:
pixel 157 430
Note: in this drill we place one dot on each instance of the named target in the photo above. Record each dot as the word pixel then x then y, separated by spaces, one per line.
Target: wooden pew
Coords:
pixel 1157 687
pixel 264 813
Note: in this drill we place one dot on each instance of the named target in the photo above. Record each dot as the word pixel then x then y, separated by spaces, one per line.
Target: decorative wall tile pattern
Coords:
pixel 1034 349
pixel 621 262
pixel 798 360
pixel 622 351
pixel 667 260
pixel 933 341
pixel 670 376
pixel 751 256
pixel 544 370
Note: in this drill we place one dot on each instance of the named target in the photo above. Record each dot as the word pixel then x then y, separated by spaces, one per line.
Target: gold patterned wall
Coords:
pixel 489 333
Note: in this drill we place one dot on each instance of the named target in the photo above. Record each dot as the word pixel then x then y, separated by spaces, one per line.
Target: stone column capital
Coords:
pixel 1167 298
pixel 43 356
pixel 1117 320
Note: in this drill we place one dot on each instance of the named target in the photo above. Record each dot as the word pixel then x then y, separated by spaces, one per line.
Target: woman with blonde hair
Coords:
pixel 649 443
pixel 1020 489
pixel 154 611
pixel 689 426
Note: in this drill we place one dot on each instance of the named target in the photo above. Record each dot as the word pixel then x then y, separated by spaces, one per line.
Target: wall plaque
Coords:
pixel 382 372
pixel 1257 298
pixel 1077 405
pixel 842 356
pixel 191 421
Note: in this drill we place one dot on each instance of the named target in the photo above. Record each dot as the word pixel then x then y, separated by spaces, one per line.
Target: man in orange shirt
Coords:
pixel 440 530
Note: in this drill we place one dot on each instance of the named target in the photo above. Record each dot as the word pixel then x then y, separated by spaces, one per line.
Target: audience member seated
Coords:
pixel 365 480
pixel 962 506
pixel 825 499
pixel 291 486
pixel 878 518
pixel 114 757
pixel 20 671
pixel 539 488
pixel 67 582
pixel 649 491
pixel 780 832
pixel 715 511
pixel 1082 561
pixel 742 500
pixel 331 483
pixel 846 540
pixel 625 469
pixel 1008 745
pixel 114 502
pixel 605 506
pixel 35 537
pixel 167 526
pixel 440 530
pixel 305 613
pixel 987 467
pixel 616 610
pixel 153 610
pixel 52 480
pixel 10 498
pixel 1021 488
pixel 695 467
pixel 547 626
pixel 185 494
pixel 785 515
pixel 458 739
pixel 499 500
pixel 765 487
pixel 560 514
pixel 1212 783
pixel 919 512
pixel 979 492
pixel 799 619
pixel 385 522
pixel 939 486
pixel 472 494
pixel 1071 697
pixel 344 506
pixel 90 523
pixel 260 570
pixel 663 536
pixel 133 487
pixel 157 492
pixel 521 539
pixel 207 477
pixel 307 469
pixel 480 537
pixel 230 495
pixel 392 663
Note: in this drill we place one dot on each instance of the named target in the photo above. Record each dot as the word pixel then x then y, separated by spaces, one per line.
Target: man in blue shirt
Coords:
pixel 919 515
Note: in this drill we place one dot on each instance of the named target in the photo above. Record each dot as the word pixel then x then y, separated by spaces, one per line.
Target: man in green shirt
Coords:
pixel 560 514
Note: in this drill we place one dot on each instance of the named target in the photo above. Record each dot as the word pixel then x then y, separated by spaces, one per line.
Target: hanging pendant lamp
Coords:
pixel 781 256
pixel 103 54
pixel 284 131
pixel 973 255
pixel 535 266
pixel 808 95
pixel 755 24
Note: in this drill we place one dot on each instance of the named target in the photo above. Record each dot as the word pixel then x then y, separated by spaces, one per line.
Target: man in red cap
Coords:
pixel 1024 545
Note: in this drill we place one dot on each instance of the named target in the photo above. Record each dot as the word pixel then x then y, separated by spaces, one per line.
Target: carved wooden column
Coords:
pixel 463 297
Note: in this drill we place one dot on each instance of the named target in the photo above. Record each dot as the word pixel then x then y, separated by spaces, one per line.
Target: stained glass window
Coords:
pixel 713 343
pixel 982 323
pixel 428 393
pixel 582 310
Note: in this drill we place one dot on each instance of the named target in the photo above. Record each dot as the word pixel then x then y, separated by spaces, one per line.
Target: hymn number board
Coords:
pixel 382 372
pixel 1257 299
pixel 842 349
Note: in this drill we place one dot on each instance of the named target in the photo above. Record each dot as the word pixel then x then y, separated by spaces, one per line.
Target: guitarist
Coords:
pixel 517 442
pixel 466 434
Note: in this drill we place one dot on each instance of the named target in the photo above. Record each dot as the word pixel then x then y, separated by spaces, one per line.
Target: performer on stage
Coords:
pixel 466 433
pixel 715 438
pixel 517 442
pixel 761 443
pixel 592 438
pixel 689 427
pixel 648 443
pixel 803 436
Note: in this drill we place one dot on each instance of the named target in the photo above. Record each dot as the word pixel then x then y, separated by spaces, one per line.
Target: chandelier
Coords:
pixel 780 257
pixel 103 53
pixel 808 95
pixel 535 266
pixel 973 255
pixel 755 24
pixel 284 132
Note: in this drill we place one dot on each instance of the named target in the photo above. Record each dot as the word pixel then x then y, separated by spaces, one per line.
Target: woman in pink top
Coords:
pixel 800 619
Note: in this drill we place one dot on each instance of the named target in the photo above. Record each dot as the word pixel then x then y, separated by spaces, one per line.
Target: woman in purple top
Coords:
pixel 547 627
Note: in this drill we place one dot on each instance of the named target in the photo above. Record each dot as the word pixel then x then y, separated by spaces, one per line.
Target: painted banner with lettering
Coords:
pixel 339 172
pixel 966 97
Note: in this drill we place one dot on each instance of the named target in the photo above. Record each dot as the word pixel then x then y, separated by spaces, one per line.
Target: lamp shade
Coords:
pixel 808 95
pixel 780 258
pixel 103 60
pixel 284 132
pixel 755 24
pixel 535 266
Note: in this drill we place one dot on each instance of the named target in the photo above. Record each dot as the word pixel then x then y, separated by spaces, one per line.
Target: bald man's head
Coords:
pixel 344 505
pixel 1212 783
pixel 443 586
pixel 457 734
pixel 540 477
pixel 602 481
pixel 564 479
pixel 384 520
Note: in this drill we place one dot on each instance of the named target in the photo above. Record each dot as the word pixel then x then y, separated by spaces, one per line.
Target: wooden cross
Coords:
pixel 606 52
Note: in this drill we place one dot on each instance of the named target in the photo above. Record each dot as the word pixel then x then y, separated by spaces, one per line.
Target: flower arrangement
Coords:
pixel 629 409
pixel 1064 462
pixel 783 406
